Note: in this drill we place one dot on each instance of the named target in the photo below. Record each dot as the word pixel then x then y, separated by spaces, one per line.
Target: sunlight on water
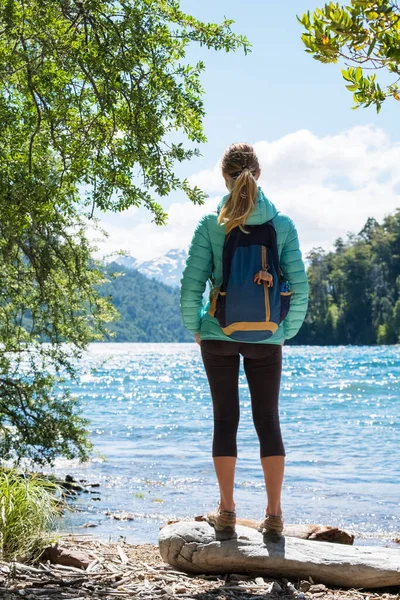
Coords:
pixel 151 418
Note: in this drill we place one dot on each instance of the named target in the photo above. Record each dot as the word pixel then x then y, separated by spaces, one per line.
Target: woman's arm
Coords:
pixel 197 271
pixel 294 271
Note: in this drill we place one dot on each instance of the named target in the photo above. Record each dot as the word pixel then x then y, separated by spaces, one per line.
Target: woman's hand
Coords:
pixel 197 335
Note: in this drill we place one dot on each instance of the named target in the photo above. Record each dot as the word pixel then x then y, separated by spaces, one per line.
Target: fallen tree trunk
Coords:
pixel 195 547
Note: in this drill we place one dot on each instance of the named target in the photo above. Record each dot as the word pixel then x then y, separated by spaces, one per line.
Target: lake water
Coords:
pixel 151 419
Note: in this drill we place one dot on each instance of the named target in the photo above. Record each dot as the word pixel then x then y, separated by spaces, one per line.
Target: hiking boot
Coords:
pixel 222 520
pixel 271 523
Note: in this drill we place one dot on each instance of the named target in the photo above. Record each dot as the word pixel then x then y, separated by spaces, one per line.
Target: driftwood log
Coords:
pixel 321 533
pixel 195 547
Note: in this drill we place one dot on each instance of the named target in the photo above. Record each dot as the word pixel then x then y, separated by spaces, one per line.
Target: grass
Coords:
pixel 29 509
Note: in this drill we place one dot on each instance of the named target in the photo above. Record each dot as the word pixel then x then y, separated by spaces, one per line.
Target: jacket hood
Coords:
pixel 263 211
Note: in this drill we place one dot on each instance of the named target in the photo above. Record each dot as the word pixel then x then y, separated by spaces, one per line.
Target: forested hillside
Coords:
pixel 355 289
pixel 354 295
pixel 149 309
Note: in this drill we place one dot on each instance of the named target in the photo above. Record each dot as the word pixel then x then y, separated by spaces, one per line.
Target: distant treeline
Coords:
pixel 354 295
pixel 149 309
pixel 355 289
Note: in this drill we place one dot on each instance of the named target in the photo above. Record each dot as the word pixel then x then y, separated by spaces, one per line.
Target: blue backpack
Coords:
pixel 253 298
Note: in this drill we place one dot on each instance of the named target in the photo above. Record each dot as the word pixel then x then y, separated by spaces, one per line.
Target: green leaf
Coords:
pixel 346 75
pixel 365 34
pixel 371 47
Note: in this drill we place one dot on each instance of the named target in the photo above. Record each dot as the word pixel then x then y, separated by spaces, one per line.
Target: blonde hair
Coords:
pixel 240 164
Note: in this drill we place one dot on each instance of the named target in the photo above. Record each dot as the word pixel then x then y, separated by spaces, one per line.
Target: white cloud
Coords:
pixel 328 185
pixel 144 240
pixel 210 180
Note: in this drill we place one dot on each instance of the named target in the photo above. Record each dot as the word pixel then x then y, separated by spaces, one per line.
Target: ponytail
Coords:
pixel 240 164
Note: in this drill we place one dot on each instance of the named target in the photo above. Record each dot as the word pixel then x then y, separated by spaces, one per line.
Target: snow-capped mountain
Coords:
pixel 127 261
pixel 166 269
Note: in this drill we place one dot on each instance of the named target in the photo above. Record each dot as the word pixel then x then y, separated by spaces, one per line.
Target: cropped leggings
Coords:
pixel 263 367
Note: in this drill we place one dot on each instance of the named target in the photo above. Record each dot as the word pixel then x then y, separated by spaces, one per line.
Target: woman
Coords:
pixel 245 204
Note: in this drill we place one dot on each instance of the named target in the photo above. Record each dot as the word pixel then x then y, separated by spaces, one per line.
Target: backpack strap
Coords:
pixel 214 293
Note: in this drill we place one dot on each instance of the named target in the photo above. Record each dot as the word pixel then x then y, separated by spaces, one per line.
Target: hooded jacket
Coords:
pixel 205 261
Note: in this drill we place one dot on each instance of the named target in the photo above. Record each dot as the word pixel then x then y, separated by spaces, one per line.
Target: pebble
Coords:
pixel 275 588
pixel 181 589
pixel 120 516
pixel 304 586
pixel 300 596
pixel 168 590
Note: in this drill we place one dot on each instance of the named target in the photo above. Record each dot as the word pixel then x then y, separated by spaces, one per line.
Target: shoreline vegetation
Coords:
pixel 29 510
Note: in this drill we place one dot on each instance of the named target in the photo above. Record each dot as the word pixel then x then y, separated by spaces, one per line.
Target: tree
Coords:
pixel 366 35
pixel 319 289
pixel 355 289
pixel 353 280
pixel 369 229
pixel 91 95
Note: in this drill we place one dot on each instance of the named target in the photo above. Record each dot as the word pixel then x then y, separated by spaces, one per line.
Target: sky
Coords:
pixel 325 165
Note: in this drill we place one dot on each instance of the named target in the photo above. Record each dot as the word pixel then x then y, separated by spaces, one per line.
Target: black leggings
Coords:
pixel 263 367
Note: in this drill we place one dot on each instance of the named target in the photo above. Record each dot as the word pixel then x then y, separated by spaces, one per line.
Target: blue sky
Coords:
pixel 278 88
pixel 298 113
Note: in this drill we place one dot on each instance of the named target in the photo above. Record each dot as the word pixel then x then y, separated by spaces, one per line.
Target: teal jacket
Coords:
pixel 205 261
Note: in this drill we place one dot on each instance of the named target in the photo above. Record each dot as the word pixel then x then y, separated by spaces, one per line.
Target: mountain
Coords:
pixel 127 261
pixel 149 309
pixel 166 269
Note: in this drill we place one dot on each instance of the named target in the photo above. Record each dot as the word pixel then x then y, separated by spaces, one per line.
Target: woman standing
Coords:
pixel 251 254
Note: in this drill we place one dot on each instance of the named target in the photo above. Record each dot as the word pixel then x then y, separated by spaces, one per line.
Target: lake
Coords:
pixel 151 420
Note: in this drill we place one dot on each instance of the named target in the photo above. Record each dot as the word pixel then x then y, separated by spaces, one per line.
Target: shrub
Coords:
pixel 29 510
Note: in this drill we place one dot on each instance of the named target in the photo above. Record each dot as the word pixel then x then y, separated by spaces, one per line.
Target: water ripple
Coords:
pixel 151 417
